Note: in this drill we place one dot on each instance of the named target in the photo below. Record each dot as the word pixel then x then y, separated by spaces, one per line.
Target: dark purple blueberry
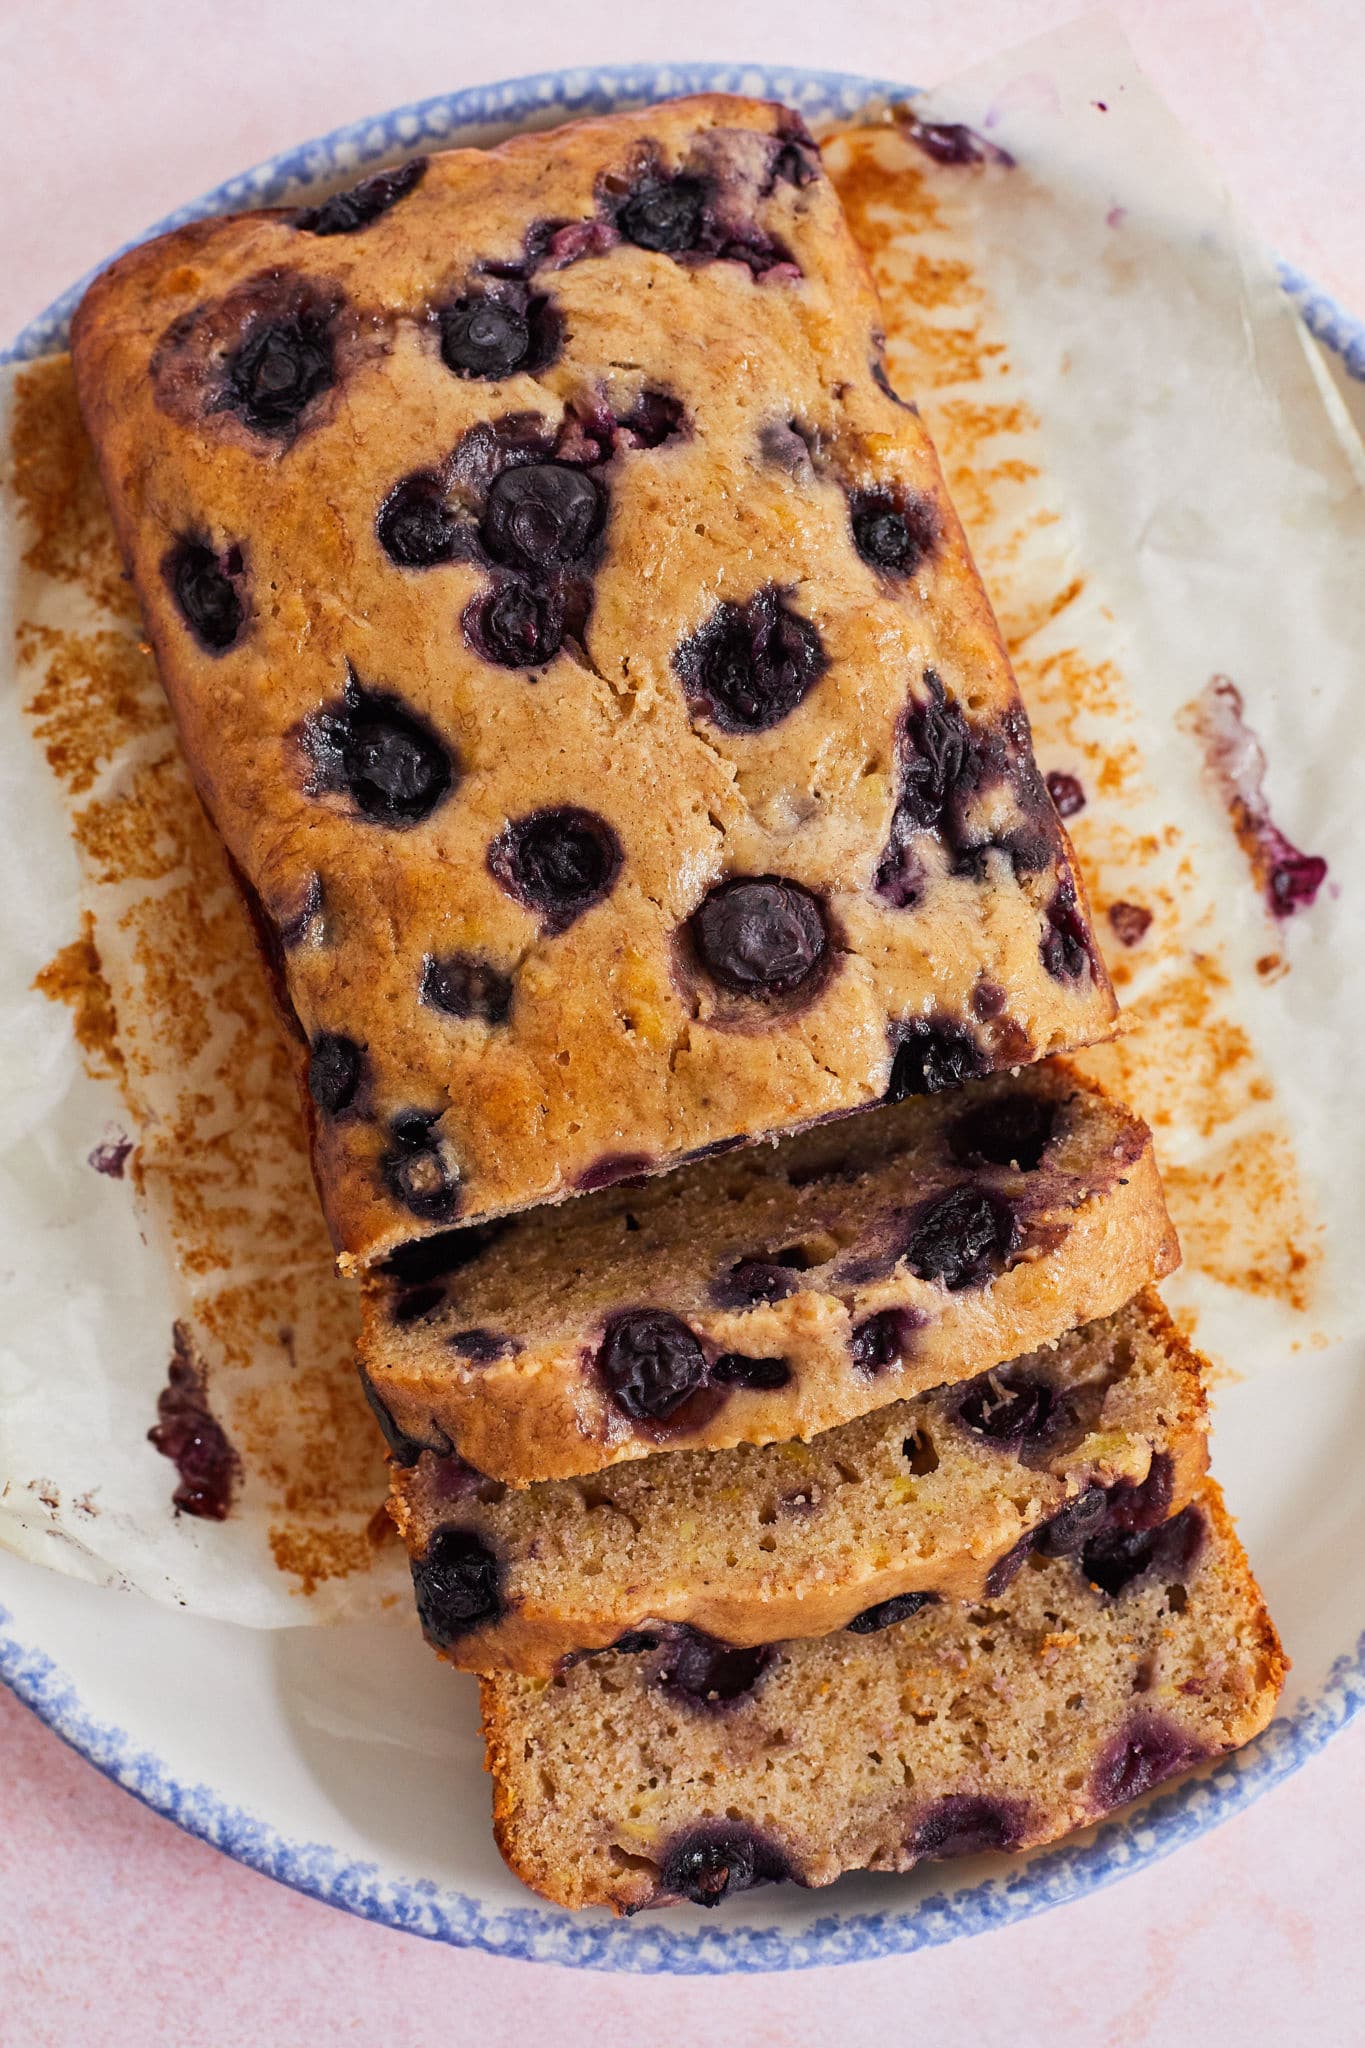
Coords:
pixel 1006 1569
pixel 716 1859
pixel 1009 1130
pixel 1073 1526
pixel 283 364
pixel 795 163
pixel 935 749
pixel 654 418
pixel 557 862
pixel 734 1369
pixel 1147 1505
pixel 882 1339
pixel 1065 944
pixel 515 626
pixel 462 985
pixel 713 1672
pixel 750 1282
pixel 614 1170
pixel 651 1363
pixel 430 1258
pixel 667 215
pixel 487 336
pixel 932 1055
pixel 1129 922
pixel 344 212
pixel 457 1583
pixel 418 1168
pixel 636 1642
pixel 891 533
pixel 404 1449
pixel 1140 1756
pixel 540 515
pixel 961 1238
pixel 416 526
pixel 966 1824
pixel 1006 1408
pixel 760 936
pixel 887 1613
pixel 483 1347
pixel 751 664
pixel 188 1433
pixel 385 757
pixel 1066 792
pixel 111 1157
pixel 204 586
pixel 415 1304
pixel 336 1068
pixel 1118 1557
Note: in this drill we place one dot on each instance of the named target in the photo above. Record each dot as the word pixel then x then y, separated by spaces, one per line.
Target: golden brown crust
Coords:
pixel 611 1046
pixel 758 1545
pixel 960 1728
pixel 531 1403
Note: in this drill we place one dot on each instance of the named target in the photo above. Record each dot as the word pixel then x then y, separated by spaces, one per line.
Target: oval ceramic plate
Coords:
pixel 347 1762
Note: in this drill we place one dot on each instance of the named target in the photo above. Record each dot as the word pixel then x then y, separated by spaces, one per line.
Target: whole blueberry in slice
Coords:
pixel 514 625
pixel 419 1169
pixel 751 664
pixel 557 862
pixel 961 1238
pixel 760 936
pixel 204 587
pixel 1140 1756
pixel 931 1056
pixel 713 1672
pixel 734 1369
pixel 457 1583
pixel 887 1613
pixel 965 1824
pixel 651 1363
pixel 1010 1130
pixel 345 212
pixel 416 527
pixel 716 1859
pixel 540 514
pixel 751 1281
pixel 891 533
pixel 1118 1557
pixel 464 986
pixel 1006 1410
pixel 667 216
pixel 388 759
pixel 279 369
pixel 1074 1525
pixel 1065 944
pixel 483 336
pixel 336 1067
pixel 882 1339
pixel 1148 1504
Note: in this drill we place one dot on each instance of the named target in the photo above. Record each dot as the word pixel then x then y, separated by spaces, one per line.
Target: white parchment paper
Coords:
pixel 1161 485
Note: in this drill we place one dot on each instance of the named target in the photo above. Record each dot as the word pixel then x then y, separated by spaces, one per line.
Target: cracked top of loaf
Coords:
pixel 576 649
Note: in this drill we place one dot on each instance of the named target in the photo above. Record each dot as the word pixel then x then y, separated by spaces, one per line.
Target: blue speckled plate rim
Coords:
pixel 532 1933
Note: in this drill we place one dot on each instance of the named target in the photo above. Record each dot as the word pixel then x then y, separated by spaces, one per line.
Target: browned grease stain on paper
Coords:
pixel 1184 1063
pixel 168 996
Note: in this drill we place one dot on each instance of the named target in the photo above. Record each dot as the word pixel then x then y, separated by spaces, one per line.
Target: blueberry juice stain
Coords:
pixel 188 1433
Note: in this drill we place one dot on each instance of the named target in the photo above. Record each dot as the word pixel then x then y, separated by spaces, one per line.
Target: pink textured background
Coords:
pixel 115 1931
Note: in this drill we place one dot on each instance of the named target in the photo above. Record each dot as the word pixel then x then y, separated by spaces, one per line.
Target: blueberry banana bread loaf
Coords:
pixel 578 654
pixel 772 1293
pixel 940 1497
pixel 644 1777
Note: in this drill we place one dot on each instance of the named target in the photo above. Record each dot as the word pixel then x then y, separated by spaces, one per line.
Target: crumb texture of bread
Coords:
pixel 771 1293
pixel 940 1497
pixel 574 644
pixel 622 1782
